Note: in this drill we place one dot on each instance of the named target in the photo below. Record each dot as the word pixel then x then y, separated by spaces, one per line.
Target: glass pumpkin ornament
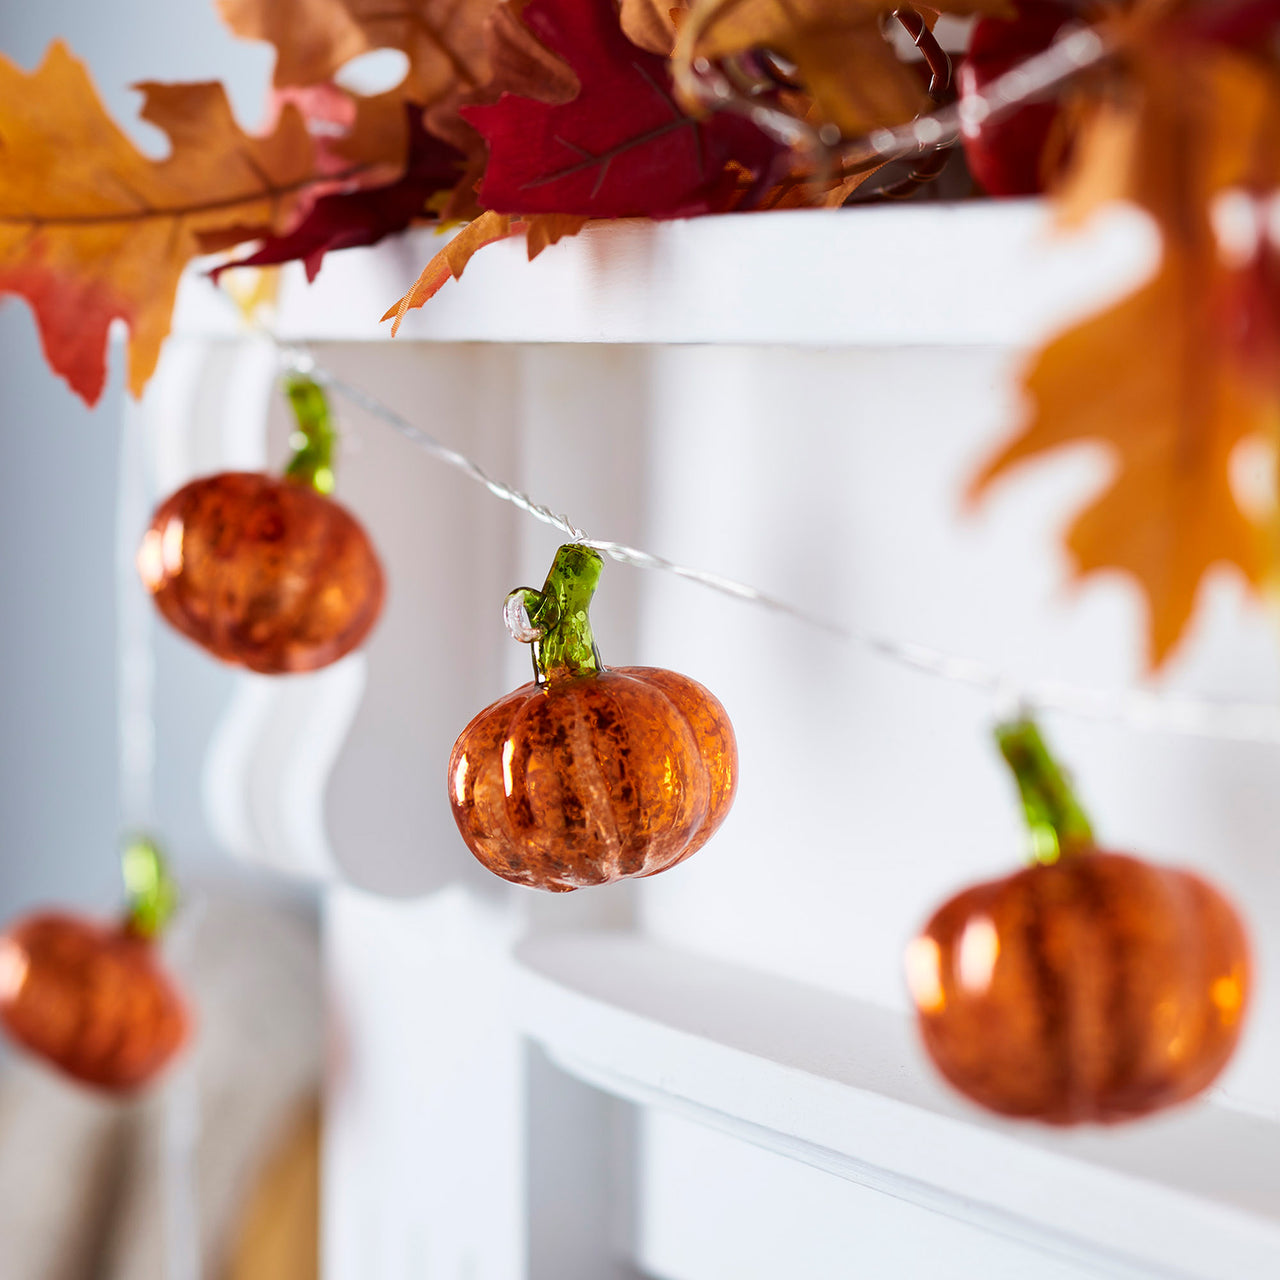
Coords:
pixel 1091 986
pixel 589 774
pixel 267 572
pixel 91 999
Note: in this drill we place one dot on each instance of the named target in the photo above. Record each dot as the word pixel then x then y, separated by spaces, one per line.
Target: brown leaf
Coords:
pixel 851 71
pixel 92 230
pixel 451 261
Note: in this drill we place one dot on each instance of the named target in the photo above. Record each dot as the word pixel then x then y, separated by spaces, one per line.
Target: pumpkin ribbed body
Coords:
pixel 263 572
pixel 1097 988
pixel 89 999
pixel 593 778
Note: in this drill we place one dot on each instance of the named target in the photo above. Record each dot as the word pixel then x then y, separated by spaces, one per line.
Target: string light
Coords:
pixel 1183 714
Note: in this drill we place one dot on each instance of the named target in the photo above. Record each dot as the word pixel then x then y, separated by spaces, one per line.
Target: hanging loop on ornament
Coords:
pixel 296 360
pixel 515 613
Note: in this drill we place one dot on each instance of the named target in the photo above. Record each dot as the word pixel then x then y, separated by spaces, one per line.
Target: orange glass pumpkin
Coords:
pixel 590 775
pixel 266 572
pixel 1091 987
pixel 91 999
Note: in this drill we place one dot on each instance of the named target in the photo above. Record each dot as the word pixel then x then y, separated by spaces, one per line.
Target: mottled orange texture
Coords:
pixel 89 999
pixel 1097 988
pixel 263 572
pixel 588 779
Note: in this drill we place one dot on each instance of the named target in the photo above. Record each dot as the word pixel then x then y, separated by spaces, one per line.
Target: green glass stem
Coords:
pixel 566 646
pixel 151 891
pixel 316 438
pixel 1057 822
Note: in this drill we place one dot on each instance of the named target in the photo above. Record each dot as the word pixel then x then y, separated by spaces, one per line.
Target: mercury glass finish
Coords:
pixel 89 999
pixel 263 572
pixel 589 775
pixel 1099 988
pixel 1092 986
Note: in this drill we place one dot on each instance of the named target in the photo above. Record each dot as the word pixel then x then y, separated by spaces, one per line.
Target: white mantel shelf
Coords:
pixel 842 1085
pixel 979 273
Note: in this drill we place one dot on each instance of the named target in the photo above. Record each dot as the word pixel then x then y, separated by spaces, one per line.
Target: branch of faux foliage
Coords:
pixel 1181 112
pixel 532 116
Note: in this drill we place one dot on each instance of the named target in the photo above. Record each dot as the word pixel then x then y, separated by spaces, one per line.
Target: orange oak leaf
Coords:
pixel 451 261
pixel 444 39
pixel 461 52
pixel 543 230
pixel 1146 379
pixel 350 219
pixel 652 24
pixel 92 230
pixel 1178 126
pixel 855 79
pixel 365 142
pixel 540 230
pixel 1172 379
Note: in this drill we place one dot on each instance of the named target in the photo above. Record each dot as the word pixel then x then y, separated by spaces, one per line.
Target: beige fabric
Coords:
pixel 86 1187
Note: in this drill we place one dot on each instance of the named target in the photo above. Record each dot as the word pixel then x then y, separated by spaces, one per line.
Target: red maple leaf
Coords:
pixel 352 219
pixel 622 148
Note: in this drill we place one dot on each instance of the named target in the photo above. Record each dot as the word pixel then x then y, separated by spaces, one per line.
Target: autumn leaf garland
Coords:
pixel 527 117
pixel 621 147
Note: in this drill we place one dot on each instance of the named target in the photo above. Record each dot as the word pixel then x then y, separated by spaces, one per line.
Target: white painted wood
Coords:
pixel 424 1123
pixel 840 1085
pixel 922 275
pixel 268 765
pixel 870 793
pixel 797 400
pixel 711 1207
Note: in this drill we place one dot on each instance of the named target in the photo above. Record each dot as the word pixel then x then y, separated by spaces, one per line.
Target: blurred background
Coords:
pixel 58 728
pixel 217 1173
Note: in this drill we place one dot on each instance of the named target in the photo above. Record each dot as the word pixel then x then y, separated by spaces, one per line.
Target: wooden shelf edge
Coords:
pixel 840 1085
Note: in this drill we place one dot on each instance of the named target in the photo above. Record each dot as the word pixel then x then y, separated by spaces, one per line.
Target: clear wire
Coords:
pixel 1183 714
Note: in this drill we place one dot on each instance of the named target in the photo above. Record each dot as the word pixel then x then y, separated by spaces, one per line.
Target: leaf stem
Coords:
pixel 566 645
pixel 1056 821
pixel 152 894
pixel 314 441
